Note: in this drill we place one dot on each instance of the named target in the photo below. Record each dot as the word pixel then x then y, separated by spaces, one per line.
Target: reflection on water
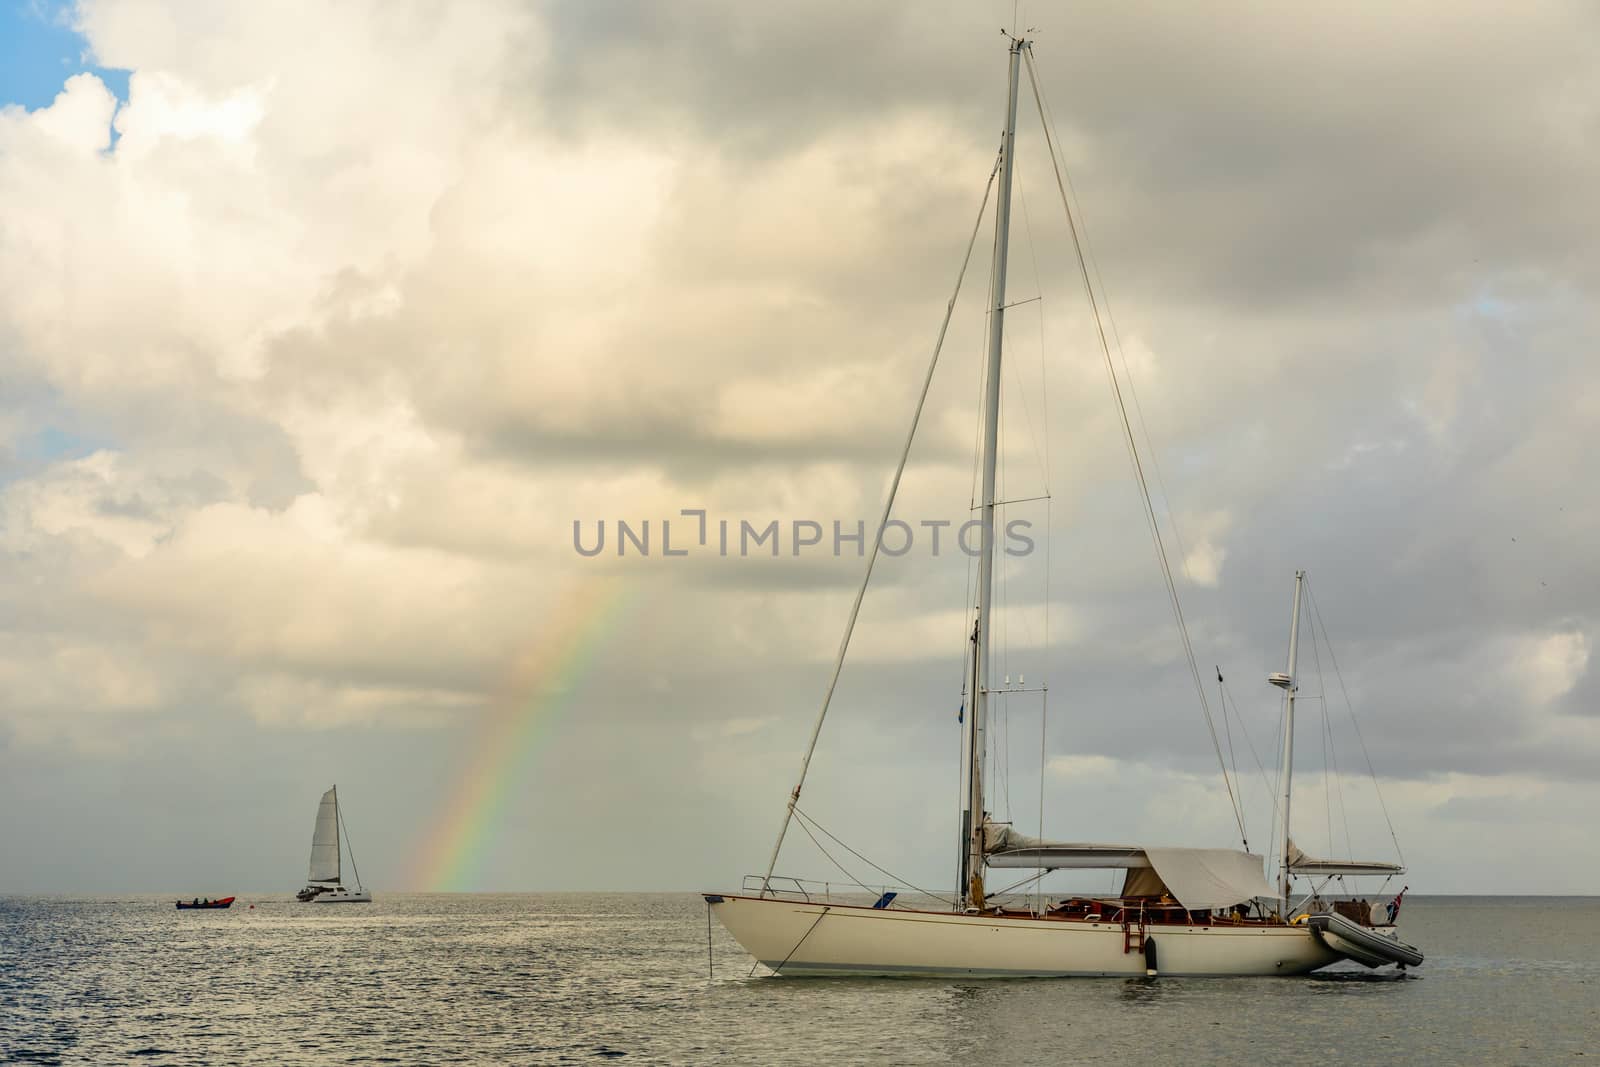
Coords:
pixel 583 978
pixel 1146 990
pixel 1386 974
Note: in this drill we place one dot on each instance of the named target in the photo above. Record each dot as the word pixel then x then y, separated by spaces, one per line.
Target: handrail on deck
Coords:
pixel 818 891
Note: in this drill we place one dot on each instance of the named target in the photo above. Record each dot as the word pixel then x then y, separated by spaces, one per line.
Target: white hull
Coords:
pixel 343 896
pixel 800 938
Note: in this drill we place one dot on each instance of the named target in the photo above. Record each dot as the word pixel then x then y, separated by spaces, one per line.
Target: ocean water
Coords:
pixel 583 978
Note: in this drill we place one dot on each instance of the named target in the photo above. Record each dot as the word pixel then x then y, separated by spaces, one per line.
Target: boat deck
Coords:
pixel 1149 910
pixel 1133 911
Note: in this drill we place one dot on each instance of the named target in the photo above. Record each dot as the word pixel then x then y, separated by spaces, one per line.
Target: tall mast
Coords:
pixel 972 858
pixel 1290 685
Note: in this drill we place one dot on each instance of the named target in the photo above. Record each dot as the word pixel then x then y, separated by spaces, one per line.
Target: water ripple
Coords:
pixel 565 978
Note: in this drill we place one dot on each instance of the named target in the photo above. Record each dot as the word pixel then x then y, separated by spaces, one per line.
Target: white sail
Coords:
pixel 325 840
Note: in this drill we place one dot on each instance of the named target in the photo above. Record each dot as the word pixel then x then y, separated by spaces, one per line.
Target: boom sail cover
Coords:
pixel 1300 863
pixel 325 840
pixel 1197 878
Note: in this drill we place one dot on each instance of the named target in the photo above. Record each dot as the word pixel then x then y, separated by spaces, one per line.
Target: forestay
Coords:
pixel 325 840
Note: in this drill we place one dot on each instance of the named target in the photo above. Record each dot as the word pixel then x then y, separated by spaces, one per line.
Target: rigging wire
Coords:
pixel 1350 707
pixel 969 644
pixel 339 811
pixel 1043 455
pixel 1044 718
pixel 1002 618
pixel 849 874
pixel 1228 698
pixel 1326 738
pixel 1018 885
pixel 1116 338
pixel 1049 537
pixel 1338 783
pixel 1275 846
pixel 877 540
pixel 896 879
pixel 1022 394
pixel 964 776
pixel 1133 450
pixel 1233 756
pixel 997 707
pixel 1331 759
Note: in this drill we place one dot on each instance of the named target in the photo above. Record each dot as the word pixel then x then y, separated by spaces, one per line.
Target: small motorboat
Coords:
pixel 1368 946
pixel 203 903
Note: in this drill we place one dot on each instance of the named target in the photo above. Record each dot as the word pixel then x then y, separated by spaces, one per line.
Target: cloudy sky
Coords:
pixel 320 327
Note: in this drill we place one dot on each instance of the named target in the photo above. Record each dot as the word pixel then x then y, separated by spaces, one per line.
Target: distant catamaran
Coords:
pixel 325 884
pixel 1182 911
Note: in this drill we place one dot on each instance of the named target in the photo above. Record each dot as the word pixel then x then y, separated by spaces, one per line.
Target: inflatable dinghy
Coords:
pixel 1363 944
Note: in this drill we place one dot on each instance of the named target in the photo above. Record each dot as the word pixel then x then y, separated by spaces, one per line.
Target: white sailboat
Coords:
pixel 1180 911
pixel 324 880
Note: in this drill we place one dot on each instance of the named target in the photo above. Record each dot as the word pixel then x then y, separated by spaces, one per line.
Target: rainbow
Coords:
pixel 539 686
